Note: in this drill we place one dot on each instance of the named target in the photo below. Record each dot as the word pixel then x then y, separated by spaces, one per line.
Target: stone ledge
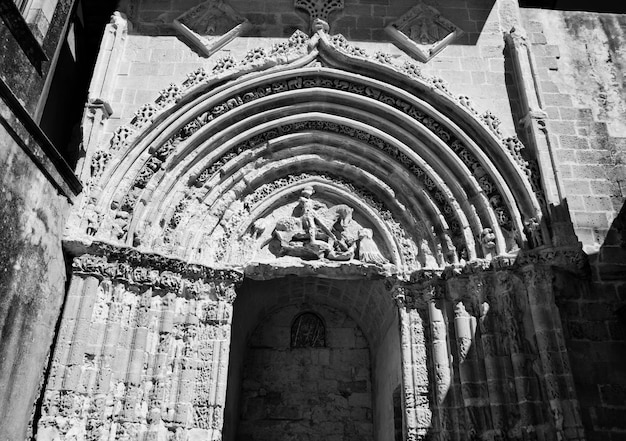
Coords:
pixel 288 266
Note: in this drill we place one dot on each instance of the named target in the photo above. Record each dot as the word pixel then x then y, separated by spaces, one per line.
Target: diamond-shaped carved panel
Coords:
pixel 423 32
pixel 211 25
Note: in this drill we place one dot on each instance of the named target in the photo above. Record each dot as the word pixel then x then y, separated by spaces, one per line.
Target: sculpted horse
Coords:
pixel 308 236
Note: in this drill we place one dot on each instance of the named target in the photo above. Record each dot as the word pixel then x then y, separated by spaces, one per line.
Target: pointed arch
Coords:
pixel 422 169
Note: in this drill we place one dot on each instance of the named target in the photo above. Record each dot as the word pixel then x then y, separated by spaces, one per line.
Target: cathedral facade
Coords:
pixel 312 219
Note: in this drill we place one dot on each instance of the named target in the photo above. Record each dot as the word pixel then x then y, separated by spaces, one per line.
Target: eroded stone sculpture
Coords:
pixel 317 232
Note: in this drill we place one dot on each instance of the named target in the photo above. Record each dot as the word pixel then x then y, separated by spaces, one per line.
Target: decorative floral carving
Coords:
pixel 254 56
pixel 492 122
pixel 169 95
pixel 341 43
pixel 412 69
pixel 144 115
pixel 196 77
pixel 466 102
pixel 224 64
pixel 441 84
pixel 383 58
pixel 120 137
pixel 295 44
pixel 144 269
pixel 99 161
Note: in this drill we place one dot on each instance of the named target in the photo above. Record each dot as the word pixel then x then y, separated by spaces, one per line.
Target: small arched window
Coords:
pixel 308 331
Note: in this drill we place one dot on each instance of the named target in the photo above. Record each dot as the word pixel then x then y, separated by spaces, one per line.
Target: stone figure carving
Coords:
pixel 488 242
pixel 310 220
pixel 423 31
pixel 308 331
pixel 368 250
pixel 316 232
pixel 211 18
pixel 533 232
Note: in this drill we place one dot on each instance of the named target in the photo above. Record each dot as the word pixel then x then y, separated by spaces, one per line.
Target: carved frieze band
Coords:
pixel 533 266
pixel 133 267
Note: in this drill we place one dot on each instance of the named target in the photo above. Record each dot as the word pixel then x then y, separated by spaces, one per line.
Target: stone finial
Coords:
pixel 319 10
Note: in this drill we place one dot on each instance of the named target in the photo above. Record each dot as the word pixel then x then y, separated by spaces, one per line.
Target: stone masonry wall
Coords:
pixel 580 64
pixel 307 393
pixel 32 282
pixel 153 57
pixel 583 91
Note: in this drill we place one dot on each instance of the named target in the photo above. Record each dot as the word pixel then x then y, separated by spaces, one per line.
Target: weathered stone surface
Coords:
pixel 306 392
pixel 196 163
pixel 32 281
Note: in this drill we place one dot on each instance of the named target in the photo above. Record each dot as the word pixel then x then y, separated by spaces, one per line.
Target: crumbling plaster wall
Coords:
pixel 32 282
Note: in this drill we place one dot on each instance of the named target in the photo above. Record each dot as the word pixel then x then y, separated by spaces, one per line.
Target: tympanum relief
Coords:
pixel 313 230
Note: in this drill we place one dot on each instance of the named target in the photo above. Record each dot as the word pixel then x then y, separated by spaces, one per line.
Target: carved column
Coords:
pixel 415 378
pixel 425 359
pixel 142 351
pixel 556 371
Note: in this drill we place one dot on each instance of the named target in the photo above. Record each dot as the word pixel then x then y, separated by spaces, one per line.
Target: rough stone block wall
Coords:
pixel 306 392
pixel 580 63
pixel 32 281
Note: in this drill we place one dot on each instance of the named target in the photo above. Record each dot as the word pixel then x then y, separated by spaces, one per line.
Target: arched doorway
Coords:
pixel 313 359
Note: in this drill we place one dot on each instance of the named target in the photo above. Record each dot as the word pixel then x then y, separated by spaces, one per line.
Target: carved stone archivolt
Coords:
pixel 451 227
